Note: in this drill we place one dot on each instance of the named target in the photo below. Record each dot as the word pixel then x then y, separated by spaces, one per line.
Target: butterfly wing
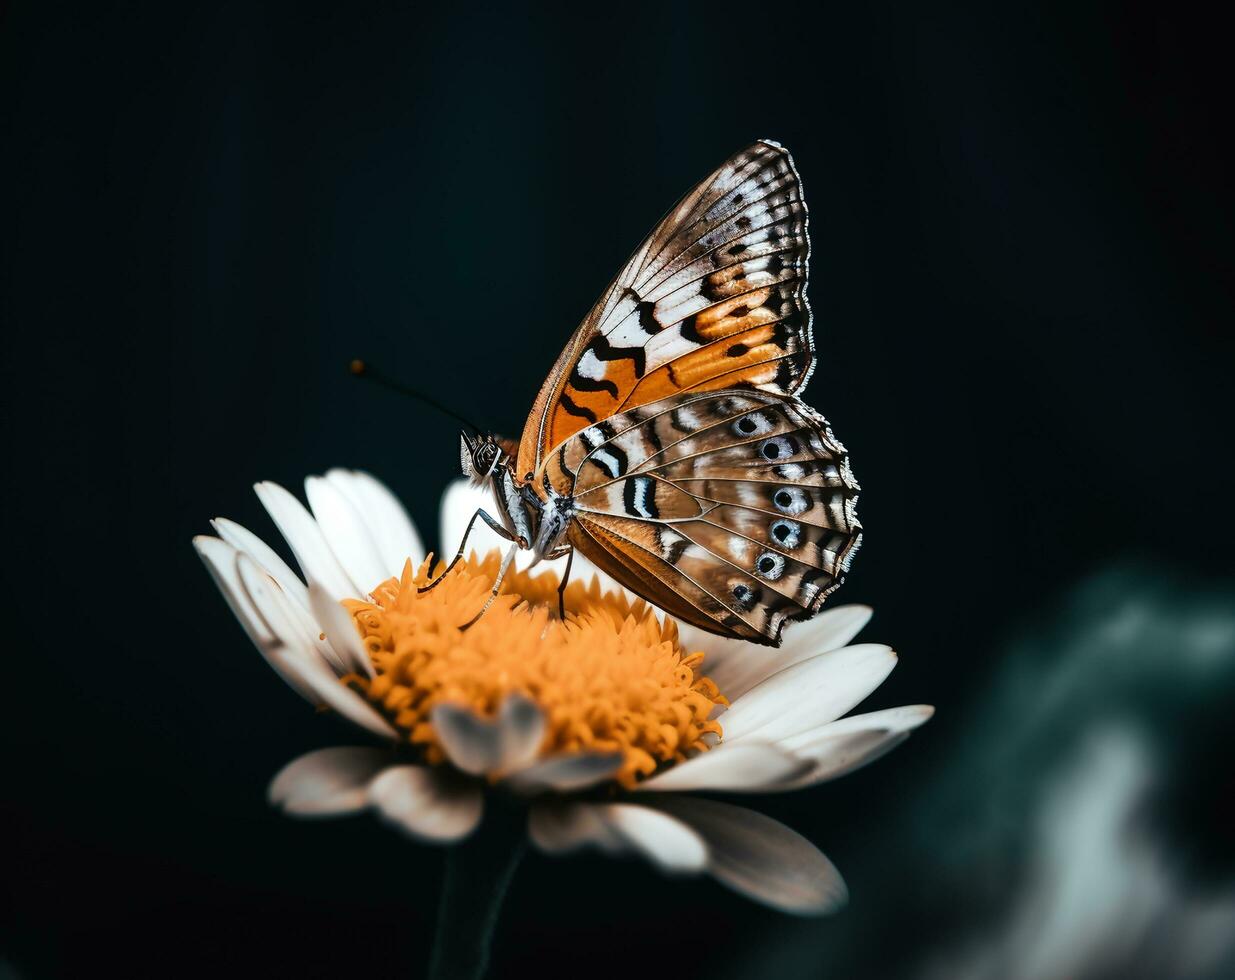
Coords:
pixel 714 298
pixel 733 510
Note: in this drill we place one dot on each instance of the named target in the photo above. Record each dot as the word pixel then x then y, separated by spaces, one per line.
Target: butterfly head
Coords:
pixel 480 456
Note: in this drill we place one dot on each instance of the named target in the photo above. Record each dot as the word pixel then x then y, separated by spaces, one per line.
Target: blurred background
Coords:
pixel 1023 272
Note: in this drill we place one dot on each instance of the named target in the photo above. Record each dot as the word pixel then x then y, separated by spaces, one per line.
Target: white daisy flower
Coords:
pixel 602 723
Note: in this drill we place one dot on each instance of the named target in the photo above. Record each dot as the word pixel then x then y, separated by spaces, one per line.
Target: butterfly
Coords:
pixel 668 444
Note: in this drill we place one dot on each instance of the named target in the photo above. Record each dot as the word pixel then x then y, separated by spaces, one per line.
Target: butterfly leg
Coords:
pixel 494 524
pixel 561 589
pixel 497 585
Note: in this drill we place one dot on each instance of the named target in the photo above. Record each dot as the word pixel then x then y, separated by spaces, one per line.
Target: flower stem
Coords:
pixel 478 873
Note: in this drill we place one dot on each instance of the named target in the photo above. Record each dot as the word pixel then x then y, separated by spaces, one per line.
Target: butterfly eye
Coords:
pixel 790 500
pixel 744 595
pixel 771 566
pixel 777 448
pixel 787 533
pixel 752 424
pixel 484 458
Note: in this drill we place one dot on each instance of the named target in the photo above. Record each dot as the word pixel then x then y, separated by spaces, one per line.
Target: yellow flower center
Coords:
pixel 609 678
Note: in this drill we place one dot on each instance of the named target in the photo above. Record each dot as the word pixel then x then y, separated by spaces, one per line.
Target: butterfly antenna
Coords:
pixel 361 369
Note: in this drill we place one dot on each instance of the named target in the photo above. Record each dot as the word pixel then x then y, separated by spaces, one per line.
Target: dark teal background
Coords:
pixel 1023 268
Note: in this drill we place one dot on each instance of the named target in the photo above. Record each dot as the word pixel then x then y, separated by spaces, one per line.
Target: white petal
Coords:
pixel 479 746
pixel 347 534
pixel 565 773
pixel 303 626
pixel 830 630
pixel 522 726
pixel 472 743
pixel 327 782
pixel 331 692
pixel 903 719
pixel 761 858
pixel 808 694
pixel 307 542
pixel 290 623
pixel 388 522
pixel 845 753
pixel 245 540
pixel 301 660
pixel 340 630
pixel 460 501
pixel 737 666
pixel 722 655
pixel 734 768
pixel 616 828
pixel 220 560
pixel 426 803
pixel 667 842
pixel 840 747
pixel 312 631
pixel 558 827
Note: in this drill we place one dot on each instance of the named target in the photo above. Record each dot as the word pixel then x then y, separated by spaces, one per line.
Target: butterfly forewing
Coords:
pixel 714 298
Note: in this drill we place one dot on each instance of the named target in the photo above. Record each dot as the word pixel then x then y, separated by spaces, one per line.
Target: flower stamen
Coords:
pixel 611 677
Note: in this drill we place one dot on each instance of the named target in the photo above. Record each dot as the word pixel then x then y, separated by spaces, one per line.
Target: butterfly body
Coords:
pixel 531 521
pixel 668 443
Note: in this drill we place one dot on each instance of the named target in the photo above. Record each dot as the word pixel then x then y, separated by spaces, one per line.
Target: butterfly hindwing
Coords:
pixel 741 504
pixel 645 572
pixel 714 298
